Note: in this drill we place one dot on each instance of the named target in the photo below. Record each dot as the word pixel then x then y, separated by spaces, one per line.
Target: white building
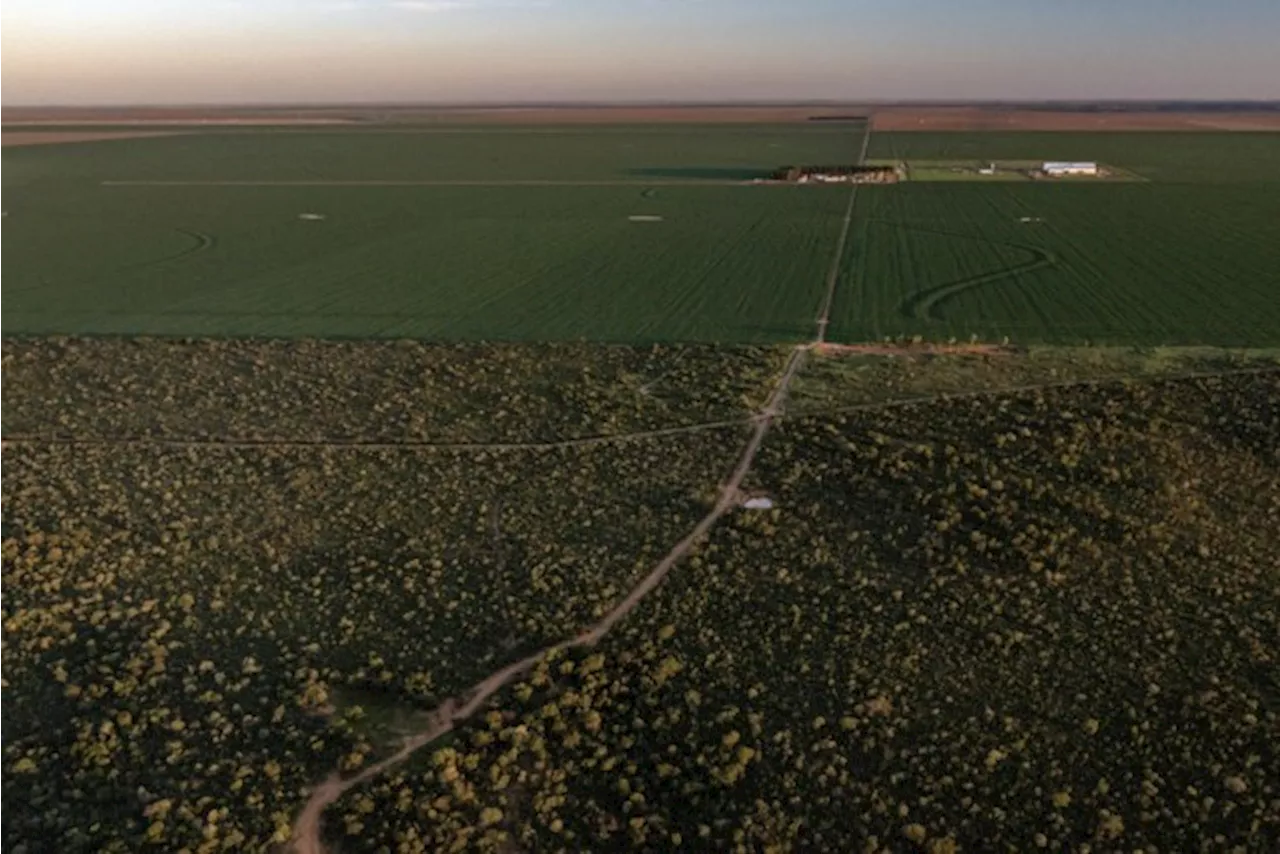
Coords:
pixel 1055 169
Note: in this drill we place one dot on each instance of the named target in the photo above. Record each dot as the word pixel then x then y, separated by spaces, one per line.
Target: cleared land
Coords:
pixel 639 233
pixel 618 236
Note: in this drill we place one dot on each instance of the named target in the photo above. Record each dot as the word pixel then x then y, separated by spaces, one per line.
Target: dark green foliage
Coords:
pixel 1041 620
pixel 187 629
pixel 371 391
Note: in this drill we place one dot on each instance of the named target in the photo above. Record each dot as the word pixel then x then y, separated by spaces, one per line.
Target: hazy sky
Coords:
pixel 189 51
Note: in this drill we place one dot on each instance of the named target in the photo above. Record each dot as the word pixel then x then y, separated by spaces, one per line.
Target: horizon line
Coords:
pixel 645 102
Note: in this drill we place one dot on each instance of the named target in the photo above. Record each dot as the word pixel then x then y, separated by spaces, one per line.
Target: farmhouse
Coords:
pixel 1057 169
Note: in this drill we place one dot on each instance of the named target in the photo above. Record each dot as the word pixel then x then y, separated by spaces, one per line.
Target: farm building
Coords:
pixel 1055 169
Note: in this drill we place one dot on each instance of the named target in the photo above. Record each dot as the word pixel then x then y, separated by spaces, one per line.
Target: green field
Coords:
pixel 1130 263
pixel 518 234
pixel 1189 256
pixel 522 262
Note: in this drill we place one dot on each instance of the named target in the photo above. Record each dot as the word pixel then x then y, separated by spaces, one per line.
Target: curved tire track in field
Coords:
pixel 202 243
pixel 925 304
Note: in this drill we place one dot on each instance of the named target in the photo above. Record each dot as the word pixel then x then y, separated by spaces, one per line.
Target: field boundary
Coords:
pixel 463 447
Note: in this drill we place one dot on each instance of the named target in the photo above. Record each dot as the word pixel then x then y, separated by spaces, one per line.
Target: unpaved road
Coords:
pixel 306 830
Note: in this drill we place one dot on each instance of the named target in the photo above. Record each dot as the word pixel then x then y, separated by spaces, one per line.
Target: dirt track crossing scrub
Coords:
pixel 306 834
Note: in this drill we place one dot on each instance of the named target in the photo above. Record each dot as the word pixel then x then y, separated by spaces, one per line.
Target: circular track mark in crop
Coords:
pixel 926 303
pixel 201 242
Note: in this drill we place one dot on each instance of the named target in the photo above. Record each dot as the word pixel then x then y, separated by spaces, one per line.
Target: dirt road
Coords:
pixel 306 830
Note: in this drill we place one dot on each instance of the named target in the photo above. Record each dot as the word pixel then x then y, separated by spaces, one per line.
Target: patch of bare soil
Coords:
pixel 911 349
pixel 994 119
pixel 40 137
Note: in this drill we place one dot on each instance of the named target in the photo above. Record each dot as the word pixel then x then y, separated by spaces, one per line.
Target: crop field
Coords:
pixel 1186 257
pixel 1146 263
pixel 560 255
pixel 638 234
pixel 623 152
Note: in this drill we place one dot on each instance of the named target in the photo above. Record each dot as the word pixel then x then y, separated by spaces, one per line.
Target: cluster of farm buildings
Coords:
pixel 840 174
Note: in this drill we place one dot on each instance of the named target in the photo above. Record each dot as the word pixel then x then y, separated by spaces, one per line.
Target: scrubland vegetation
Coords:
pixel 1043 619
pixel 351 391
pixel 181 625
pixel 1042 622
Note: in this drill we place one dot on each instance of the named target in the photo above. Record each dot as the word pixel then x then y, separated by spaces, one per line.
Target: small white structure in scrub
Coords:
pixel 1058 169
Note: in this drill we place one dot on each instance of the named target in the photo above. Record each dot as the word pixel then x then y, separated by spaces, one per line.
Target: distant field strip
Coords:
pixel 509 182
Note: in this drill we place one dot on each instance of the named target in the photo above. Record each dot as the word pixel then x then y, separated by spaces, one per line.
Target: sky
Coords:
pixel 87 52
